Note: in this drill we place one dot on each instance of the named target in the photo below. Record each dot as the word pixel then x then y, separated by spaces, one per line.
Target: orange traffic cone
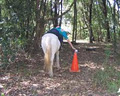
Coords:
pixel 75 67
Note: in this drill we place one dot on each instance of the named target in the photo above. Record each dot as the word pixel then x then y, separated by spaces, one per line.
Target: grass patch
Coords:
pixel 109 79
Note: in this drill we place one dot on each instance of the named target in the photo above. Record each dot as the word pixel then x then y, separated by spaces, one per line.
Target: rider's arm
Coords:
pixel 71 44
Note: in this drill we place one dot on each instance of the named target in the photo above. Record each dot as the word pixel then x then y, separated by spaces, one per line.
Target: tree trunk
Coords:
pixel 80 33
pixel 118 6
pixel 114 29
pixel 40 28
pixel 106 20
pixel 61 16
pixel 56 13
pixel 90 24
pixel 0 17
pixel 74 36
pixel 0 14
pixel 39 25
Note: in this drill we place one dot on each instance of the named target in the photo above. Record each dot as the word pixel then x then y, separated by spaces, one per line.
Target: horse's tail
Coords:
pixel 47 56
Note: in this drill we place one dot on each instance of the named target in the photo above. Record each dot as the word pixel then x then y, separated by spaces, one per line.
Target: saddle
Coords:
pixel 56 32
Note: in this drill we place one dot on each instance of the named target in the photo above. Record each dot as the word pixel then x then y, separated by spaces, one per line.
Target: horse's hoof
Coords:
pixel 51 75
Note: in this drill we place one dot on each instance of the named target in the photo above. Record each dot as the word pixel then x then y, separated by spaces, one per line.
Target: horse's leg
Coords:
pixel 57 60
pixel 51 66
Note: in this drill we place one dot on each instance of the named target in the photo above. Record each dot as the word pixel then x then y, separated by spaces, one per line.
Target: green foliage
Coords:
pixel 16 26
pixel 109 79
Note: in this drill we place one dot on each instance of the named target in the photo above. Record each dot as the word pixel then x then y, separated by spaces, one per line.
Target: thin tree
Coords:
pixel 118 6
pixel 61 6
pixel 74 35
pixel 114 27
pixel 39 21
pixel 106 19
pixel 90 23
pixel 56 12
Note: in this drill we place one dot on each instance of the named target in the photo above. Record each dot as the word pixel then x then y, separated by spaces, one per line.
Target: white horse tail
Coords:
pixel 47 57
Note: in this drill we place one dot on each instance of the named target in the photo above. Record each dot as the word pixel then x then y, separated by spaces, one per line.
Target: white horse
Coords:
pixel 50 45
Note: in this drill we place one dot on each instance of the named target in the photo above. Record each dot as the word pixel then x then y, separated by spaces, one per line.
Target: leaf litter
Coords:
pixel 26 76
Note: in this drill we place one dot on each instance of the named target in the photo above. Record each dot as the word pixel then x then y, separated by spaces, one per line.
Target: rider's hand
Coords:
pixel 76 51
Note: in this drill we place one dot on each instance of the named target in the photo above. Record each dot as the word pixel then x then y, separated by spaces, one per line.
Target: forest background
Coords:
pixel 23 22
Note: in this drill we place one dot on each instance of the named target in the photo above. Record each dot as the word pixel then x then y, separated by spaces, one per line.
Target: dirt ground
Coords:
pixel 26 76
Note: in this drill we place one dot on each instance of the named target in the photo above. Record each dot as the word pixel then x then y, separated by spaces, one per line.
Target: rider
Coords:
pixel 60 33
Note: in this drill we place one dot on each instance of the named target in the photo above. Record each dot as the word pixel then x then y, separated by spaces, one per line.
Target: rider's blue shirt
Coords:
pixel 62 32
